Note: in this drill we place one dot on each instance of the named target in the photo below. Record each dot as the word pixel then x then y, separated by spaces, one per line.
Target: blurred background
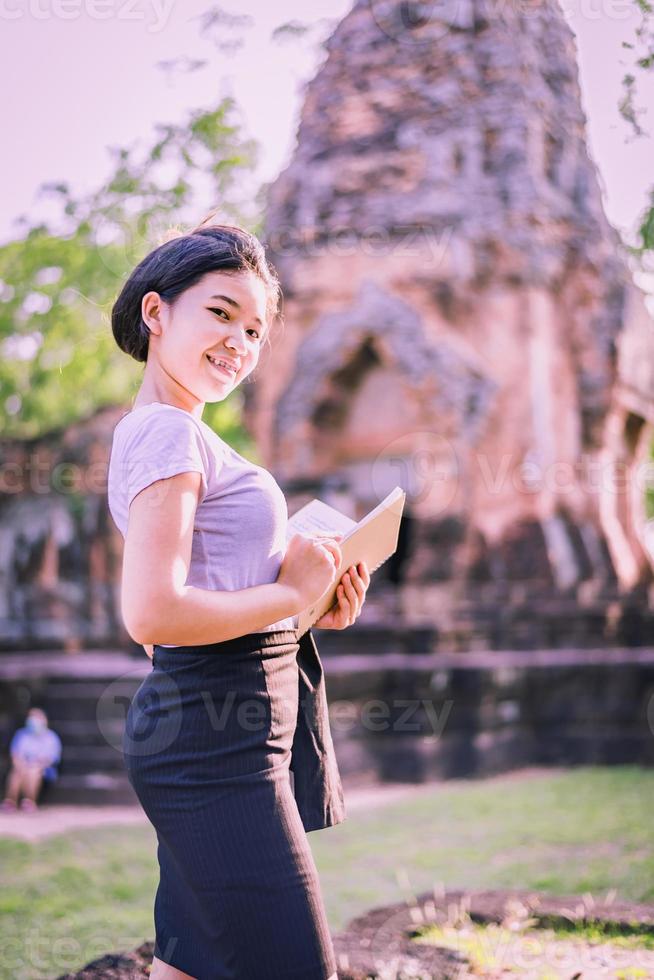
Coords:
pixel 458 197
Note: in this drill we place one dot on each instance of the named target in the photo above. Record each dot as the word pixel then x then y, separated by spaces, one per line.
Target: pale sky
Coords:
pixel 80 75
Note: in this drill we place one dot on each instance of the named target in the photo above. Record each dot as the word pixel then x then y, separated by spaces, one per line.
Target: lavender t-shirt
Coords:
pixel 239 533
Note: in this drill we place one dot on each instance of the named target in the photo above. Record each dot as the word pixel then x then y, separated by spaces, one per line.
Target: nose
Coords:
pixel 234 344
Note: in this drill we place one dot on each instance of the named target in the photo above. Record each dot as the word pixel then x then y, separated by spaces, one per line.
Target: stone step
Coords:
pixel 89 788
pixel 79 703
pixel 376 639
pixel 87 732
pixel 86 758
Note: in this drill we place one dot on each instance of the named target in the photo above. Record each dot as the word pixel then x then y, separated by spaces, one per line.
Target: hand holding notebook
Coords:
pixel 372 540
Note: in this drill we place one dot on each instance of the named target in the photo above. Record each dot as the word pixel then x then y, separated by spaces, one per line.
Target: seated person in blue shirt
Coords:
pixel 35 751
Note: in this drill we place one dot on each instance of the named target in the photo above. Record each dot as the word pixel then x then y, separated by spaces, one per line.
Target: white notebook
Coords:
pixel 373 539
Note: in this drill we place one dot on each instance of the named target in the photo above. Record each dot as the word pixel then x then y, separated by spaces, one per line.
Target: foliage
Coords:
pixel 642 60
pixel 59 360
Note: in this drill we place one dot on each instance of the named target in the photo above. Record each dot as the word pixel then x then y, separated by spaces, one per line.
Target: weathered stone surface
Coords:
pixel 459 314
pixel 460 320
pixel 60 551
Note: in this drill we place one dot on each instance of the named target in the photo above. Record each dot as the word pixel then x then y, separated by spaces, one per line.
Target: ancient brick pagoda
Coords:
pixel 460 319
pixel 459 316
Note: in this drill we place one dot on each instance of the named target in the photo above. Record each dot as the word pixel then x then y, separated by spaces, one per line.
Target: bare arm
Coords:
pixel 156 604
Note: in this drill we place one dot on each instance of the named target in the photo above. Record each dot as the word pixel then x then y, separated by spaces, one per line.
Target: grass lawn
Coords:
pixel 76 896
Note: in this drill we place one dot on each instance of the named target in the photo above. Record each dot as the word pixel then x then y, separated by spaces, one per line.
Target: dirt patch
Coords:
pixel 457 935
pixel 498 933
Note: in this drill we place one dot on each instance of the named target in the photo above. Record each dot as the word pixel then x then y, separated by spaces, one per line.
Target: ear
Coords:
pixel 151 307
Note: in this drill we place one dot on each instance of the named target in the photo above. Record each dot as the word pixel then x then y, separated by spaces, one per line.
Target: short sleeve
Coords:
pixel 162 445
pixel 17 740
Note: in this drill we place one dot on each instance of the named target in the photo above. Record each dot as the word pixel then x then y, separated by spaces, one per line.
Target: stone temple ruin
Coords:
pixel 460 319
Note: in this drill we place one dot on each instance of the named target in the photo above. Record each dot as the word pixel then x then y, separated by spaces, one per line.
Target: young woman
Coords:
pixel 209 581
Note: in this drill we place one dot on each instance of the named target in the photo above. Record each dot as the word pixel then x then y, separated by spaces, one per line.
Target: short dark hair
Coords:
pixel 178 264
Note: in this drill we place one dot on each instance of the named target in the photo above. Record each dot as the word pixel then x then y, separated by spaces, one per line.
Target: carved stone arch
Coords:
pixel 330 410
pixel 382 324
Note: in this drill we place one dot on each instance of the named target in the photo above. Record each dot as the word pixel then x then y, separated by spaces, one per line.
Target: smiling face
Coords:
pixel 221 318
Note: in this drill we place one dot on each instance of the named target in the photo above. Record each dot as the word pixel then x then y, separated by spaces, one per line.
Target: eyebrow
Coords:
pixel 232 302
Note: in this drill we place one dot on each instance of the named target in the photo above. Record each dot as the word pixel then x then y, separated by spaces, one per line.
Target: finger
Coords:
pixel 360 591
pixel 351 593
pixel 345 610
pixel 358 582
pixel 360 574
pixel 343 599
pixel 331 546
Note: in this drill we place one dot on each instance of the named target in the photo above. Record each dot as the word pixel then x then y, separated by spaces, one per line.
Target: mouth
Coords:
pixel 221 367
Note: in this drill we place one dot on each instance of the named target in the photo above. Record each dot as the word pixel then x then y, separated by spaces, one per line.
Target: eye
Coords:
pixel 216 309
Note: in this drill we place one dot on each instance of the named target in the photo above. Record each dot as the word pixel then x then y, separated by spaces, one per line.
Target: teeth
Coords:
pixel 221 364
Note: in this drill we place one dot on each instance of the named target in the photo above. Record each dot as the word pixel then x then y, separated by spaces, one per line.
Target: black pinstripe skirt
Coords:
pixel 208 746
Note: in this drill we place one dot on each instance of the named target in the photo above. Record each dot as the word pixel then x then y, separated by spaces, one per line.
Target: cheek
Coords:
pixel 189 347
pixel 183 360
